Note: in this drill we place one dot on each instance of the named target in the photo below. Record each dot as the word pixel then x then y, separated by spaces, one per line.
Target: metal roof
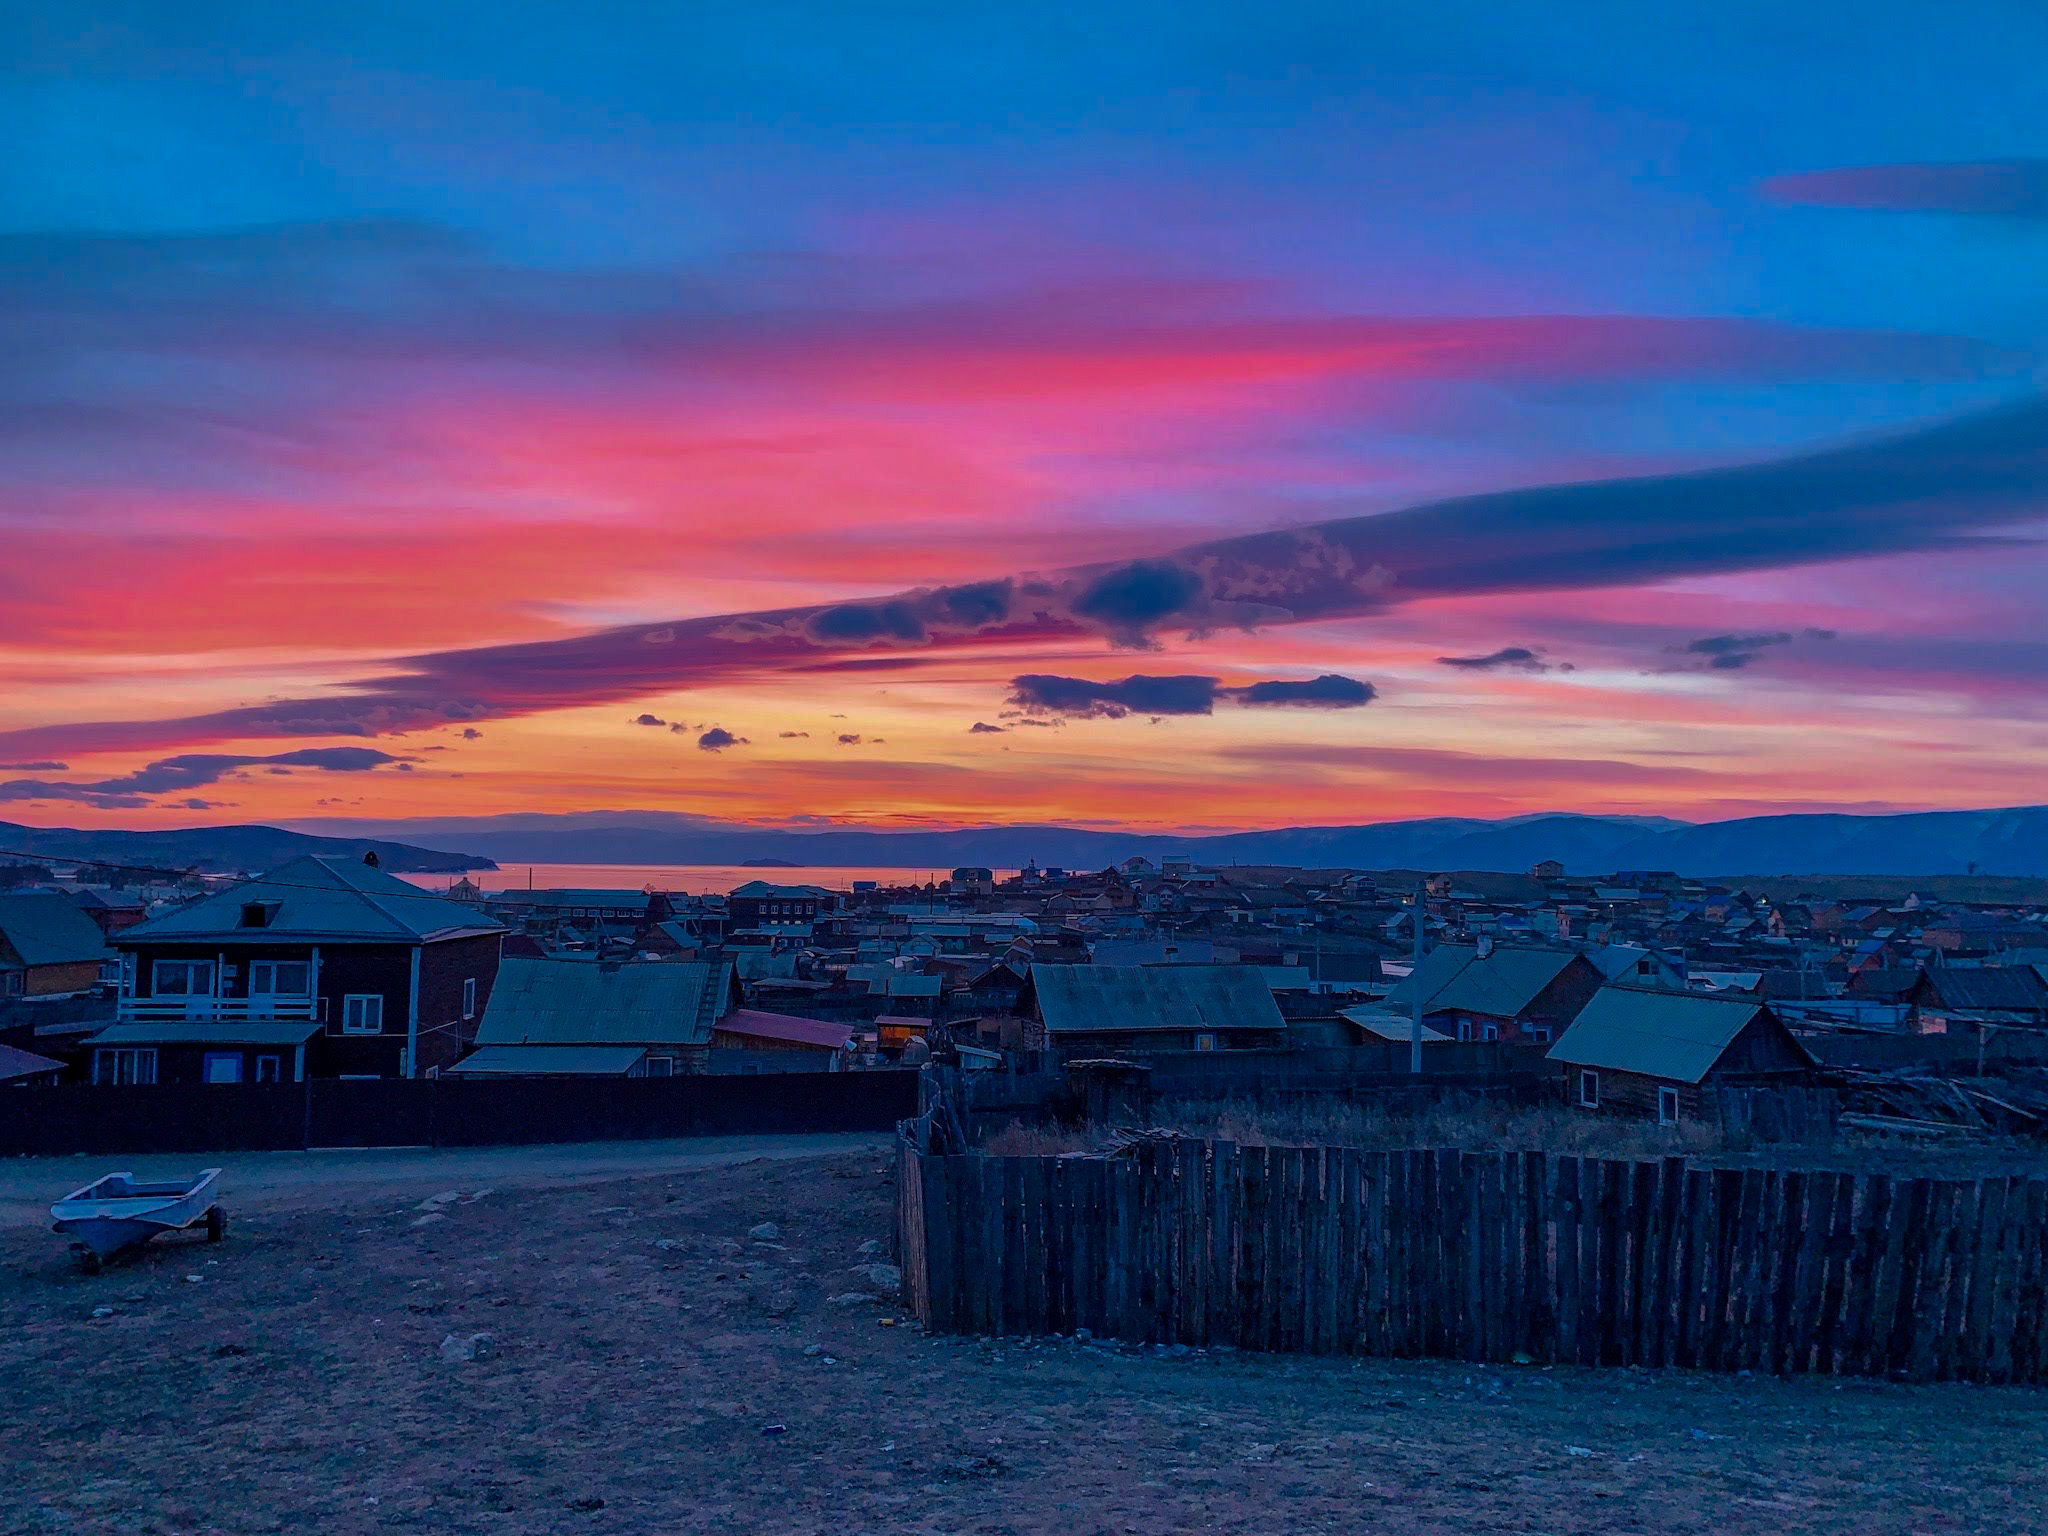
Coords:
pixel 641 1002
pixel 1077 998
pixel 1499 984
pixel 1386 1024
pixel 1677 1036
pixel 315 898
pixel 15 1062
pixel 550 1061
pixel 279 1032
pixel 49 928
pixel 756 1024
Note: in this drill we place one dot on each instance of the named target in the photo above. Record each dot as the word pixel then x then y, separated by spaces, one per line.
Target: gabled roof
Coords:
pixel 1677 1036
pixel 1077 998
pixel 1500 984
pixel 317 899
pixel 2001 989
pixel 641 1002
pixel 49 928
pixel 15 1062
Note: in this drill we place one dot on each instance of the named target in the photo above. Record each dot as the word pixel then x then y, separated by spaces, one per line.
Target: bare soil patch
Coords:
pixel 656 1369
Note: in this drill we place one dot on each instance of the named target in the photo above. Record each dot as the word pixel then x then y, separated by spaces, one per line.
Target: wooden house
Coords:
pixel 49 946
pixel 1654 1054
pixel 1110 1009
pixel 578 1018
pixel 324 967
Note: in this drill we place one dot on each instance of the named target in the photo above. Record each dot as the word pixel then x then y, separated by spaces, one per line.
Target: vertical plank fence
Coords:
pixel 1485 1257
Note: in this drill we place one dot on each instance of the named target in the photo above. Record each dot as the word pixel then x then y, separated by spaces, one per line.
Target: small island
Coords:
pixel 769 864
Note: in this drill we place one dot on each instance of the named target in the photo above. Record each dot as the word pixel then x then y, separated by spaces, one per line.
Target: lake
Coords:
pixel 694 879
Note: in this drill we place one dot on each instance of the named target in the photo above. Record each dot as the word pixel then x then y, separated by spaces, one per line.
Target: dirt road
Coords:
pixel 653 1368
pixel 311 1180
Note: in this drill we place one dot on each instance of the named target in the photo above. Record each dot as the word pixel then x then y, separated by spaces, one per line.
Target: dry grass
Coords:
pixel 1476 1125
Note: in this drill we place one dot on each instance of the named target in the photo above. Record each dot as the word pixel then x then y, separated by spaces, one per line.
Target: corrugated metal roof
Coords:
pixel 1073 998
pixel 1500 984
pixel 279 1032
pixel 550 1061
pixel 755 1024
pixel 1385 1024
pixel 49 928
pixel 317 899
pixel 1677 1036
pixel 643 1002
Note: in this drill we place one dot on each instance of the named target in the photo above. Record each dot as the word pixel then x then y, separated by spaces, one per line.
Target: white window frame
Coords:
pixel 109 1060
pixel 1589 1089
pixel 666 1063
pixel 373 1007
pixel 274 1063
pixel 469 998
pixel 1205 1041
pixel 157 969
pixel 1668 1096
pixel 13 983
pixel 270 967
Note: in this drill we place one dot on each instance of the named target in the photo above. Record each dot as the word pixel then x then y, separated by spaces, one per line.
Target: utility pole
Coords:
pixel 1415 986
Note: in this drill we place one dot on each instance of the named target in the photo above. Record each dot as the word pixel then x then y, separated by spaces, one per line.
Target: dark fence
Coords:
pixel 448 1112
pixel 1486 1257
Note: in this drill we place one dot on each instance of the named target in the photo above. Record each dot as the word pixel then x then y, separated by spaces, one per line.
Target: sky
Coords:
pixel 1152 415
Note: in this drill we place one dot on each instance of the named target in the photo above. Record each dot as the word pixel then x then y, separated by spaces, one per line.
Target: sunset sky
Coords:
pixel 1115 414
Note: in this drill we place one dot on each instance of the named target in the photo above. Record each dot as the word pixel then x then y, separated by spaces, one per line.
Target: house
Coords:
pixel 111 910
pixel 1147 1008
pixel 1950 997
pixel 49 946
pixel 570 1018
pixel 324 967
pixel 1650 1052
pixel 1498 992
pixel 759 904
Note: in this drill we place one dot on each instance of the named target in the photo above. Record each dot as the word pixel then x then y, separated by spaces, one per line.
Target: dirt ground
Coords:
pixel 655 1370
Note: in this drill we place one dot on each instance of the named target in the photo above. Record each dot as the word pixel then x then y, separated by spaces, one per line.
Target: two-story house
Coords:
pixel 325 967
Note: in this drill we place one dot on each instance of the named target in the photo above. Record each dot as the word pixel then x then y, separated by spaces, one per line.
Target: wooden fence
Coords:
pixel 1486 1257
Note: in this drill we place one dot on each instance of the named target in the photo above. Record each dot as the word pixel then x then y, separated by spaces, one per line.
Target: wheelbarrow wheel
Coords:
pixel 216 1225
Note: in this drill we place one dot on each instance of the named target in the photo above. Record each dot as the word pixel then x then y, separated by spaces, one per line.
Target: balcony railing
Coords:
pixel 218 1010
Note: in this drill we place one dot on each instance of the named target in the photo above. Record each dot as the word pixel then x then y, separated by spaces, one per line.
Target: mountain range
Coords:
pixel 1993 842
pixel 223 848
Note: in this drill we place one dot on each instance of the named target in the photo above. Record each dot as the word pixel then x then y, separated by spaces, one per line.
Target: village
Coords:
pixel 332 969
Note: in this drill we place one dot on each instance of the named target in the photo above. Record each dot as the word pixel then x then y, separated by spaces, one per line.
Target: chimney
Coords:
pixel 370 858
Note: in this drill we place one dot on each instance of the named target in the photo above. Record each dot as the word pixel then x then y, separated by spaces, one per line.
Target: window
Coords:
pixel 124 1066
pixel 1646 966
pixel 267 1069
pixel 362 1013
pixel 280 978
pixel 1537 1032
pixel 12 983
pixel 1205 1042
pixel 182 978
pixel 1667 1106
pixel 1464 1029
pixel 1589 1090
pixel 661 1066
pixel 1491 1031
pixel 469 998
pixel 221 1067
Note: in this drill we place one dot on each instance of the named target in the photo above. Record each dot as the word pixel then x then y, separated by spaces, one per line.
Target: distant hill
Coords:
pixel 1996 842
pixel 224 848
